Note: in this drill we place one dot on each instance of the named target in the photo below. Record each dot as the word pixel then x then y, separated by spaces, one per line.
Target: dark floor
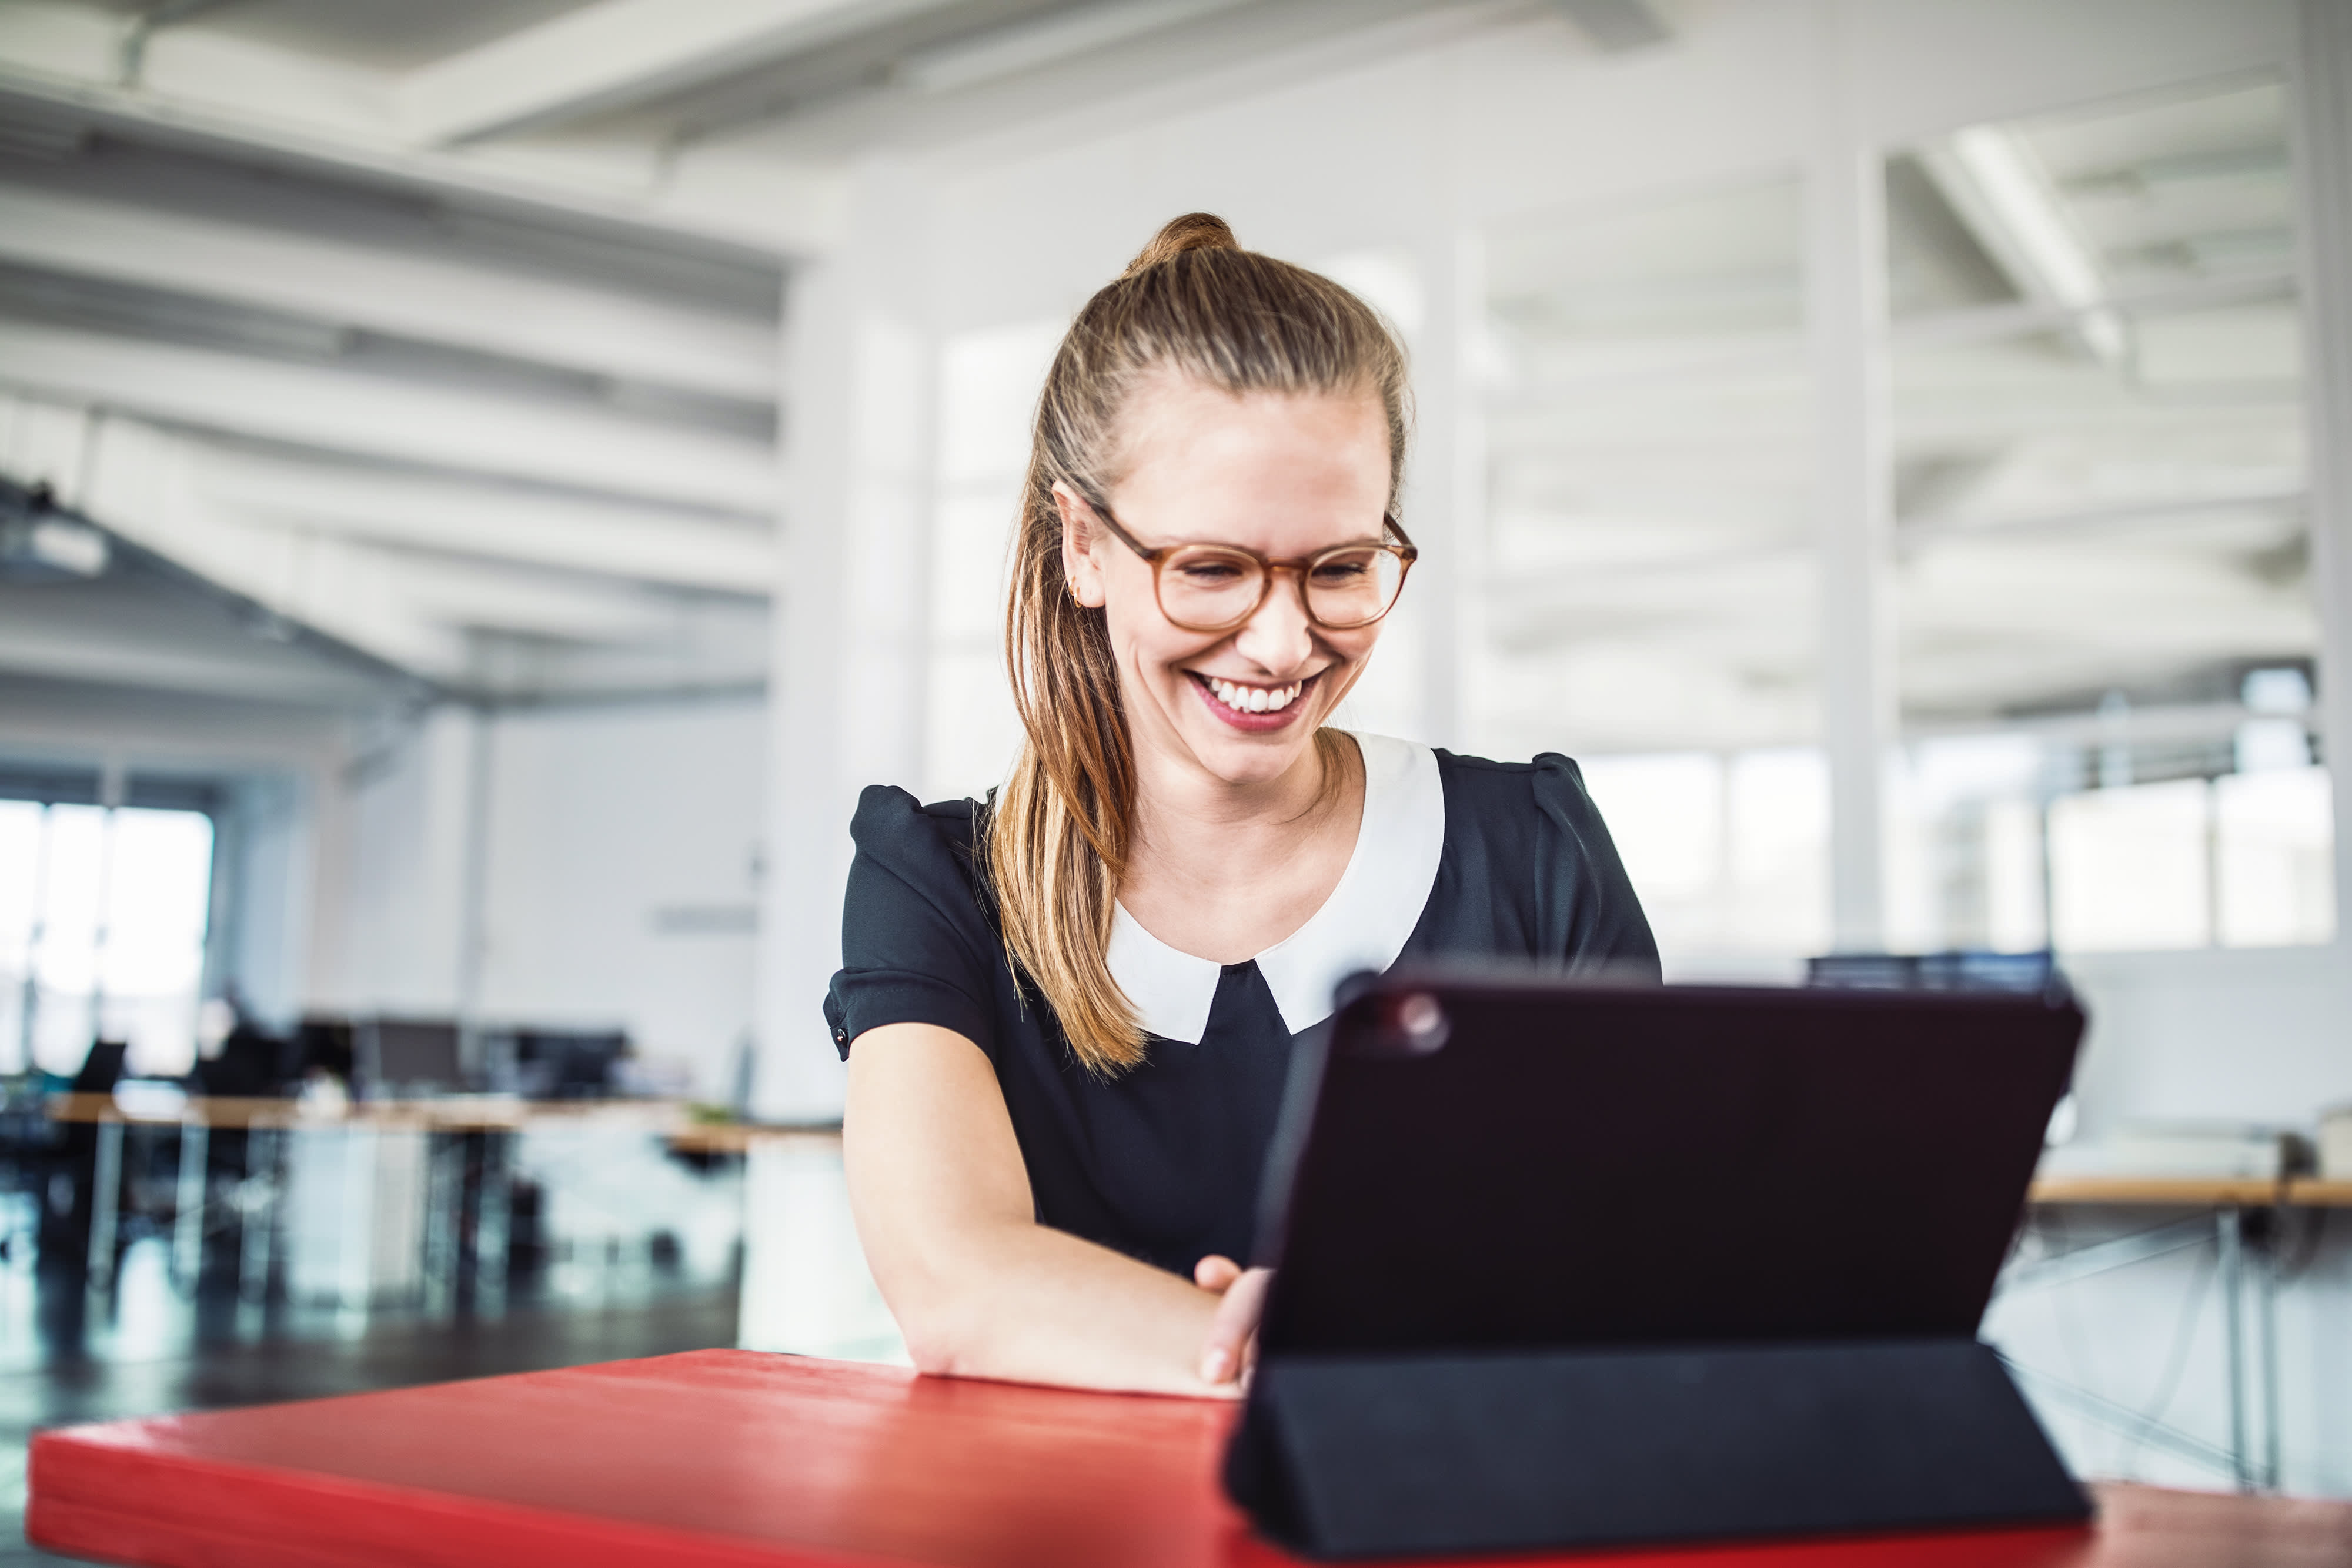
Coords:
pixel 155 1353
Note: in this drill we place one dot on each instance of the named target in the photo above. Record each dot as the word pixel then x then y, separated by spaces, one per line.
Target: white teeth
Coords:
pixel 1255 699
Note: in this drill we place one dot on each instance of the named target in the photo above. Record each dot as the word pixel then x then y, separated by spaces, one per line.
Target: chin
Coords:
pixel 1239 757
pixel 1251 761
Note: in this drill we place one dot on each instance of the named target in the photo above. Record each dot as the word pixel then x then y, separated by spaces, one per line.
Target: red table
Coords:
pixel 735 1459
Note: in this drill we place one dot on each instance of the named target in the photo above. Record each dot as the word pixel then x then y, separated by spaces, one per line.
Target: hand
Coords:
pixel 1231 1346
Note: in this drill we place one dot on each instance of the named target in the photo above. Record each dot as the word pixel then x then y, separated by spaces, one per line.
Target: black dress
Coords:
pixel 1456 856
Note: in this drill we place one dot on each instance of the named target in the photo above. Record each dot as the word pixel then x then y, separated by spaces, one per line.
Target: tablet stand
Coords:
pixel 1359 1455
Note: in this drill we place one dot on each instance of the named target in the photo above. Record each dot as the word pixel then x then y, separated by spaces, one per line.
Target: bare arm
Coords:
pixel 979 1287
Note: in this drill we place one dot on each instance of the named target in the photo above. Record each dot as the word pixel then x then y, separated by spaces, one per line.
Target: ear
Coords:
pixel 1082 540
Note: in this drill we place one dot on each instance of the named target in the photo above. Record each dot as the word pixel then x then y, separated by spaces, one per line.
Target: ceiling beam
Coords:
pixel 401 421
pixel 411 609
pixel 217 95
pixel 116 640
pixel 419 512
pixel 132 479
pixel 616 54
pixel 599 331
pixel 1619 27
pixel 1056 36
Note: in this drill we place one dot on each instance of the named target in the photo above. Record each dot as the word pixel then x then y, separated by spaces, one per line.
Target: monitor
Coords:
pixel 410 1056
pixel 555 1064
pixel 106 1065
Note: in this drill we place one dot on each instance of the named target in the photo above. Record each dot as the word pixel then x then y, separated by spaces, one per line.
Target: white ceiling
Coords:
pixel 2098 447
pixel 451 330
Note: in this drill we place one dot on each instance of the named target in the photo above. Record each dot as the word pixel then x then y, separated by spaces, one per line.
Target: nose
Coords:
pixel 1278 638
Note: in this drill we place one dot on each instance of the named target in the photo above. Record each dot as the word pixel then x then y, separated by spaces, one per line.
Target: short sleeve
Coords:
pixel 916 945
pixel 1593 908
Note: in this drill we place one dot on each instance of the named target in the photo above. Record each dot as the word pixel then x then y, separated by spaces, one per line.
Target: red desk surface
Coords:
pixel 735 1459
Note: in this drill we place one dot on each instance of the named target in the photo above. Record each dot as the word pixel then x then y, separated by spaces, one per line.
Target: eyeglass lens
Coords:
pixel 1205 588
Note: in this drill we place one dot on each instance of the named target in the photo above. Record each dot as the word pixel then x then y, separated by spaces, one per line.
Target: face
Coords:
pixel 1286 476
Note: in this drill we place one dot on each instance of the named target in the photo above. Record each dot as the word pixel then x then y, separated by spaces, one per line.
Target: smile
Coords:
pixel 1249 706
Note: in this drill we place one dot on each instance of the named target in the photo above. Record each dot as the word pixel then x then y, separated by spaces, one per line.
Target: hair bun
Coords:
pixel 1194 230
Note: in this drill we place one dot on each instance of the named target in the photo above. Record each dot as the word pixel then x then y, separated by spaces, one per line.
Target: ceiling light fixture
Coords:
pixel 1998 187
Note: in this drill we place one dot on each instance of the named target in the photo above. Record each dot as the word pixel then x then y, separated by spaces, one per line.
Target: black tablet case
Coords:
pixel 1580 1266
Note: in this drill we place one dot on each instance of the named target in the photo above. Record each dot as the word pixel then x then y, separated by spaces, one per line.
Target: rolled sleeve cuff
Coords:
pixel 861 999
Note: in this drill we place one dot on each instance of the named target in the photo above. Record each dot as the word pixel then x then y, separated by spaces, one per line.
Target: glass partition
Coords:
pixel 2107 633
pixel 1650 579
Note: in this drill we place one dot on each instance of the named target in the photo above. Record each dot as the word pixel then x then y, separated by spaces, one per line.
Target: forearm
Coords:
pixel 1030 1304
pixel 979 1288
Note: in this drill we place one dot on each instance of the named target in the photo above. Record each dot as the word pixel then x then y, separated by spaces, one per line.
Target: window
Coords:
pixel 102 919
pixel 988 384
pixel 1729 853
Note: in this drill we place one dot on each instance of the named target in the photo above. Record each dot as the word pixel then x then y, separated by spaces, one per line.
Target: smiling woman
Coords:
pixel 1068 1011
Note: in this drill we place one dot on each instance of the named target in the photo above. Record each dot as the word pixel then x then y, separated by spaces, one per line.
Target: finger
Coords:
pixel 1234 1330
pixel 1215 1272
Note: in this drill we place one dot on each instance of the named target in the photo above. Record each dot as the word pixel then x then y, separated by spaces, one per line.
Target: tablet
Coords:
pixel 1499 1163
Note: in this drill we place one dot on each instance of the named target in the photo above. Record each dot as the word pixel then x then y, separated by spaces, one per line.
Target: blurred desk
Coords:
pixel 2319 1192
pixel 2239 1216
pixel 737 1137
pixel 734 1460
pixel 268 1122
pixel 2163 1191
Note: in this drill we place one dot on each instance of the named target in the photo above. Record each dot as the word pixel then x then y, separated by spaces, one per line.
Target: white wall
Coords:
pixel 615 887
pixel 268 942
pixel 2233 1034
pixel 390 902
pixel 623 846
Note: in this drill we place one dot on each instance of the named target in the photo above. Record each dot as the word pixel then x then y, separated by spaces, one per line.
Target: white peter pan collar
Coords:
pixel 1362 925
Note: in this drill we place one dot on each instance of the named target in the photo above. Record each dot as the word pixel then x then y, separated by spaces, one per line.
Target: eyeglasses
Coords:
pixel 1216 588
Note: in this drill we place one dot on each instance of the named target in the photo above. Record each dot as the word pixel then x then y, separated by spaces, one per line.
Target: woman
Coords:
pixel 1067 1013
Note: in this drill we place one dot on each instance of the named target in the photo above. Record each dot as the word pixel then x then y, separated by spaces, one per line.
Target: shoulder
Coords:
pixel 890 820
pixel 1527 838
pixel 934 849
pixel 1537 811
pixel 1548 785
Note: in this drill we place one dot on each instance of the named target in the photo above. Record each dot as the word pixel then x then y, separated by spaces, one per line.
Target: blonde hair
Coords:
pixel 1058 834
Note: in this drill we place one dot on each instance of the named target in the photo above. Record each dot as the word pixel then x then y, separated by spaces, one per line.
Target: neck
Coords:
pixel 1195 828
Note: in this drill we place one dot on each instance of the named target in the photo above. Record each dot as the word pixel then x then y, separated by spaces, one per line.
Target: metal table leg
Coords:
pixel 188 1206
pixel 445 1200
pixel 257 1232
pixel 2266 1288
pixel 493 1219
pixel 105 1195
pixel 2230 1240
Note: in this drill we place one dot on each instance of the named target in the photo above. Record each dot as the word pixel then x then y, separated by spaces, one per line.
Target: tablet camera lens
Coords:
pixel 1422 1021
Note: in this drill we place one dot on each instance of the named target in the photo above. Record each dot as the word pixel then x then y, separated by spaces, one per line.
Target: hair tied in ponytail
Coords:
pixel 1194 230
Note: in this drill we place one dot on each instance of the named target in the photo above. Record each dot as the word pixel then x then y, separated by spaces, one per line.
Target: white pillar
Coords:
pixel 1446 477
pixel 2324 150
pixel 849 667
pixel 1846 277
